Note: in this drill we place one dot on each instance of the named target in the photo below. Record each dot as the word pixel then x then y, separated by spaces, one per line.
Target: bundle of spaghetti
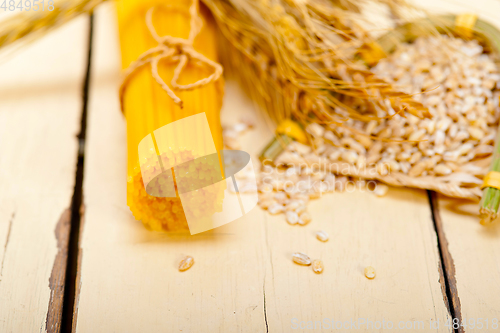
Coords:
pixel 149 103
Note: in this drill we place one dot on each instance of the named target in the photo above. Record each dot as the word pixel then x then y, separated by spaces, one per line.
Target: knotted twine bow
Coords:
pixel 177 50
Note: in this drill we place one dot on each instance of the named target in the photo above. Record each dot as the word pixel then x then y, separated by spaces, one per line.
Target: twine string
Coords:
pixel 175 49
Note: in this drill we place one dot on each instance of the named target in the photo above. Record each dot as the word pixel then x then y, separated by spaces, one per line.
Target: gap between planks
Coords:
pixel 449 282
pixel 71 265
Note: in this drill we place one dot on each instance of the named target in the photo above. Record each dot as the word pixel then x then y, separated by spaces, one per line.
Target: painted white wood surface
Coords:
pixel 243 279
pixel 393 234
pixel 476 255
pixel 40 108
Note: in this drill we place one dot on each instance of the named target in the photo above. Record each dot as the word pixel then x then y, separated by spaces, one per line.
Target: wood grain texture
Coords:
pixel 57 280
pixel 243 279
pixel 40 107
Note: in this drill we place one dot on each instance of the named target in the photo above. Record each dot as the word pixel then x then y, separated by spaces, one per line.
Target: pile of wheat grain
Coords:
pixel 460 86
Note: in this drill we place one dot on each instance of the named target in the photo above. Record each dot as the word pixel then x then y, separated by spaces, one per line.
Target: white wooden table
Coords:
pixel 434 261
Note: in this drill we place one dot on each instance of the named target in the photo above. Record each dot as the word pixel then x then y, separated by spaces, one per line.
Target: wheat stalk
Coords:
pixel 29 25
pixel 304 59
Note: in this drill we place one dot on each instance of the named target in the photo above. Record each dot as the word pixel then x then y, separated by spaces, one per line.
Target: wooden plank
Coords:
pixel 40 108
pixel 393 234
pixel 473 266
pixel 129 280
pixel 243 279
